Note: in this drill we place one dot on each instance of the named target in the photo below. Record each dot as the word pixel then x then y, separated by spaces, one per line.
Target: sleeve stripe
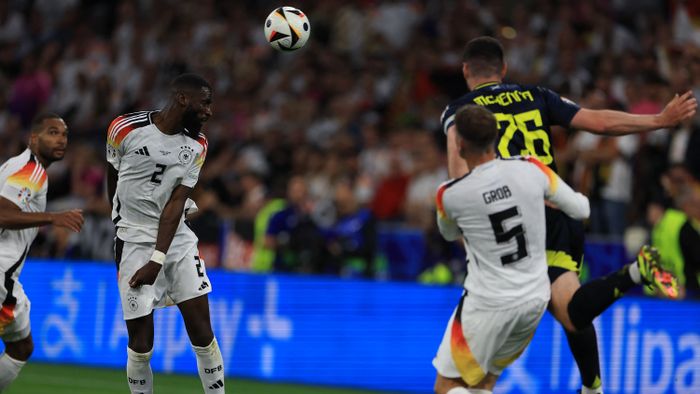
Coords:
pixel 448 122
pixel 202 140
pixel 551 176
pixel 438 201
pixel 31 176
pixel 123 125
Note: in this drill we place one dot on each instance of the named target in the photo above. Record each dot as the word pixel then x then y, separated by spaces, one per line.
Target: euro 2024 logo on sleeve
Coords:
pixel 24 195
pixel 186 155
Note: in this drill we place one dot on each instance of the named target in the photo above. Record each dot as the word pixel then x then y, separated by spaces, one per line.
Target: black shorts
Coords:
pixel 564 243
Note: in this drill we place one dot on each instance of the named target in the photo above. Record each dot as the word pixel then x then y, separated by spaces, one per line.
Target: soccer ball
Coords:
pixel 287 29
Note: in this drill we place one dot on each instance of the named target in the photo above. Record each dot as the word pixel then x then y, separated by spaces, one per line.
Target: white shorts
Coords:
pixel 183 277
pixel 486 340
pixel 14 313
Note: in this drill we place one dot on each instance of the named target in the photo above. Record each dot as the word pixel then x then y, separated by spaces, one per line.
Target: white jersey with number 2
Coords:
pixel 498 211
pixel 151 164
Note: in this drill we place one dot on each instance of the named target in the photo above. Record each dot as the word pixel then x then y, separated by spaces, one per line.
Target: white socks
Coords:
pixel 636 278
pixel 210 366
pixel 138 372
pixel 586 390
pixel 463 390
pixel 9 369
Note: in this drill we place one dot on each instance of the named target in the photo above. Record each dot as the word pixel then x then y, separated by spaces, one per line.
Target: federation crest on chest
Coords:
pixel 186 155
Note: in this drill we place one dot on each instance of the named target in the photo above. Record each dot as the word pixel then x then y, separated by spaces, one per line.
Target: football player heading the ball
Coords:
pixel 155 158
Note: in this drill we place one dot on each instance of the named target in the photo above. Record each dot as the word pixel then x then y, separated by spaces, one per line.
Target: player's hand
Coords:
pixel 680 108
pixel 145 275
pixel 72 220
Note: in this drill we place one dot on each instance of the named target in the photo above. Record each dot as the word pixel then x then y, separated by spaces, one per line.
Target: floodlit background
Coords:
pixel 343 136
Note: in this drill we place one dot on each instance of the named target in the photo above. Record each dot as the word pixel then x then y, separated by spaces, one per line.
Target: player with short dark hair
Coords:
pixel 525 115
pixel 497 210
pixel 155 158
pixel 23 187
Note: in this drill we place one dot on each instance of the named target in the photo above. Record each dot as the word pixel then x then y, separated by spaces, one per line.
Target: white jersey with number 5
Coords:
pixel 498 211
pixel 151 164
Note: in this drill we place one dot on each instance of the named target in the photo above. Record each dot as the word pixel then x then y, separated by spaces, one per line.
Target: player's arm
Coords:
pixel 13 218
pixel 456 165
pixel 447 226
pixel 167 226
pixel 611 122
pixel 557 191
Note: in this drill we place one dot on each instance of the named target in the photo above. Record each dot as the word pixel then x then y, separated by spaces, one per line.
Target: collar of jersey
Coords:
pixel 485 84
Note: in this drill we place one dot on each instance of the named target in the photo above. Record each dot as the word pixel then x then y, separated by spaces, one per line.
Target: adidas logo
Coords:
pixel 203 286
pixel 143 151
pixel 218 385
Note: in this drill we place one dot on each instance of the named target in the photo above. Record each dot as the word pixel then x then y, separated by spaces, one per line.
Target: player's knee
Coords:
pixel 579 320
pixel 202 339
pixel 140 345
pixel 443 385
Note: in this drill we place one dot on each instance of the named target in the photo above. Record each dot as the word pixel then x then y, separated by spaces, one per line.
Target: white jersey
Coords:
pixel 151 164
pixel 23 181
pixel 498 210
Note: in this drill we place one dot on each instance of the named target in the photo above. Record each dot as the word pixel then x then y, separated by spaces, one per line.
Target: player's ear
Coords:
pixel 182 98
pixel 465 70
pixel 33 138
pixel 504 70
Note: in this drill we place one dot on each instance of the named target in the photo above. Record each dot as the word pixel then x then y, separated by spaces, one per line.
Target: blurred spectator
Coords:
pixel 352 240
pixel 292 234
pixel 674 232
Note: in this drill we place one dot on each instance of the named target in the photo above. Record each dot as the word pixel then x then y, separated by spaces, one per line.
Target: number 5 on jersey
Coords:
pixel 505 236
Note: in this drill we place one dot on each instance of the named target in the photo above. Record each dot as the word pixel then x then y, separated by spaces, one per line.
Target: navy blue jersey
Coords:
pixel 525 115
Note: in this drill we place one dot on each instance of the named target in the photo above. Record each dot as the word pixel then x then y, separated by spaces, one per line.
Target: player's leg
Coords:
pixel 188 288
pixel 565 238
pixel 445 385
pixel 210 363
pixel 583 342
pixel 13 359
pixel 597 295
pixel 16 333
pixel 137 306
pixel 139 352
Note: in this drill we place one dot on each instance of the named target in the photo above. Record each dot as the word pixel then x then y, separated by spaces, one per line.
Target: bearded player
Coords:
pixel 23 187
pixel 155 158
pixel 525 115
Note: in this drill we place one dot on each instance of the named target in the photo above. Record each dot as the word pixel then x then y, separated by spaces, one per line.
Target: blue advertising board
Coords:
pixel 329 331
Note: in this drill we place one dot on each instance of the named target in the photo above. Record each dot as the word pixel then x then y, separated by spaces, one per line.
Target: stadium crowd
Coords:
pixel 313 153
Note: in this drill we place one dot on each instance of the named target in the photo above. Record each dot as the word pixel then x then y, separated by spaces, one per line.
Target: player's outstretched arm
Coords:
pixel 611 122
pixel 13 218
pixel 456 165
pixel 169 222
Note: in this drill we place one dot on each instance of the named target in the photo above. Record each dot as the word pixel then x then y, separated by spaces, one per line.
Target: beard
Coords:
pixel 191 123
pixel 49 154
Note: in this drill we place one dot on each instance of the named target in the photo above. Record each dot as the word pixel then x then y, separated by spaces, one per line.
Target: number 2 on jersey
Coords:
pixel 505 236
pixel 157 176
pixel 518 122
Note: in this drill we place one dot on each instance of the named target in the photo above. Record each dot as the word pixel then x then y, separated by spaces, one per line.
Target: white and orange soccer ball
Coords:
pixel 287 29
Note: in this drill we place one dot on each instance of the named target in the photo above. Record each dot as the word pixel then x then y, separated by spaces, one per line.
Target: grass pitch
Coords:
pixel 37 378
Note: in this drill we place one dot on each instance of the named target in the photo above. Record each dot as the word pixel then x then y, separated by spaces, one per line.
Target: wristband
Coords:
pixel 158 257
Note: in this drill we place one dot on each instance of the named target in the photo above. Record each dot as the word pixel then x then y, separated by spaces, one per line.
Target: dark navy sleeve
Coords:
pixel 447 118
pixel 276 224
pixel 560 110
